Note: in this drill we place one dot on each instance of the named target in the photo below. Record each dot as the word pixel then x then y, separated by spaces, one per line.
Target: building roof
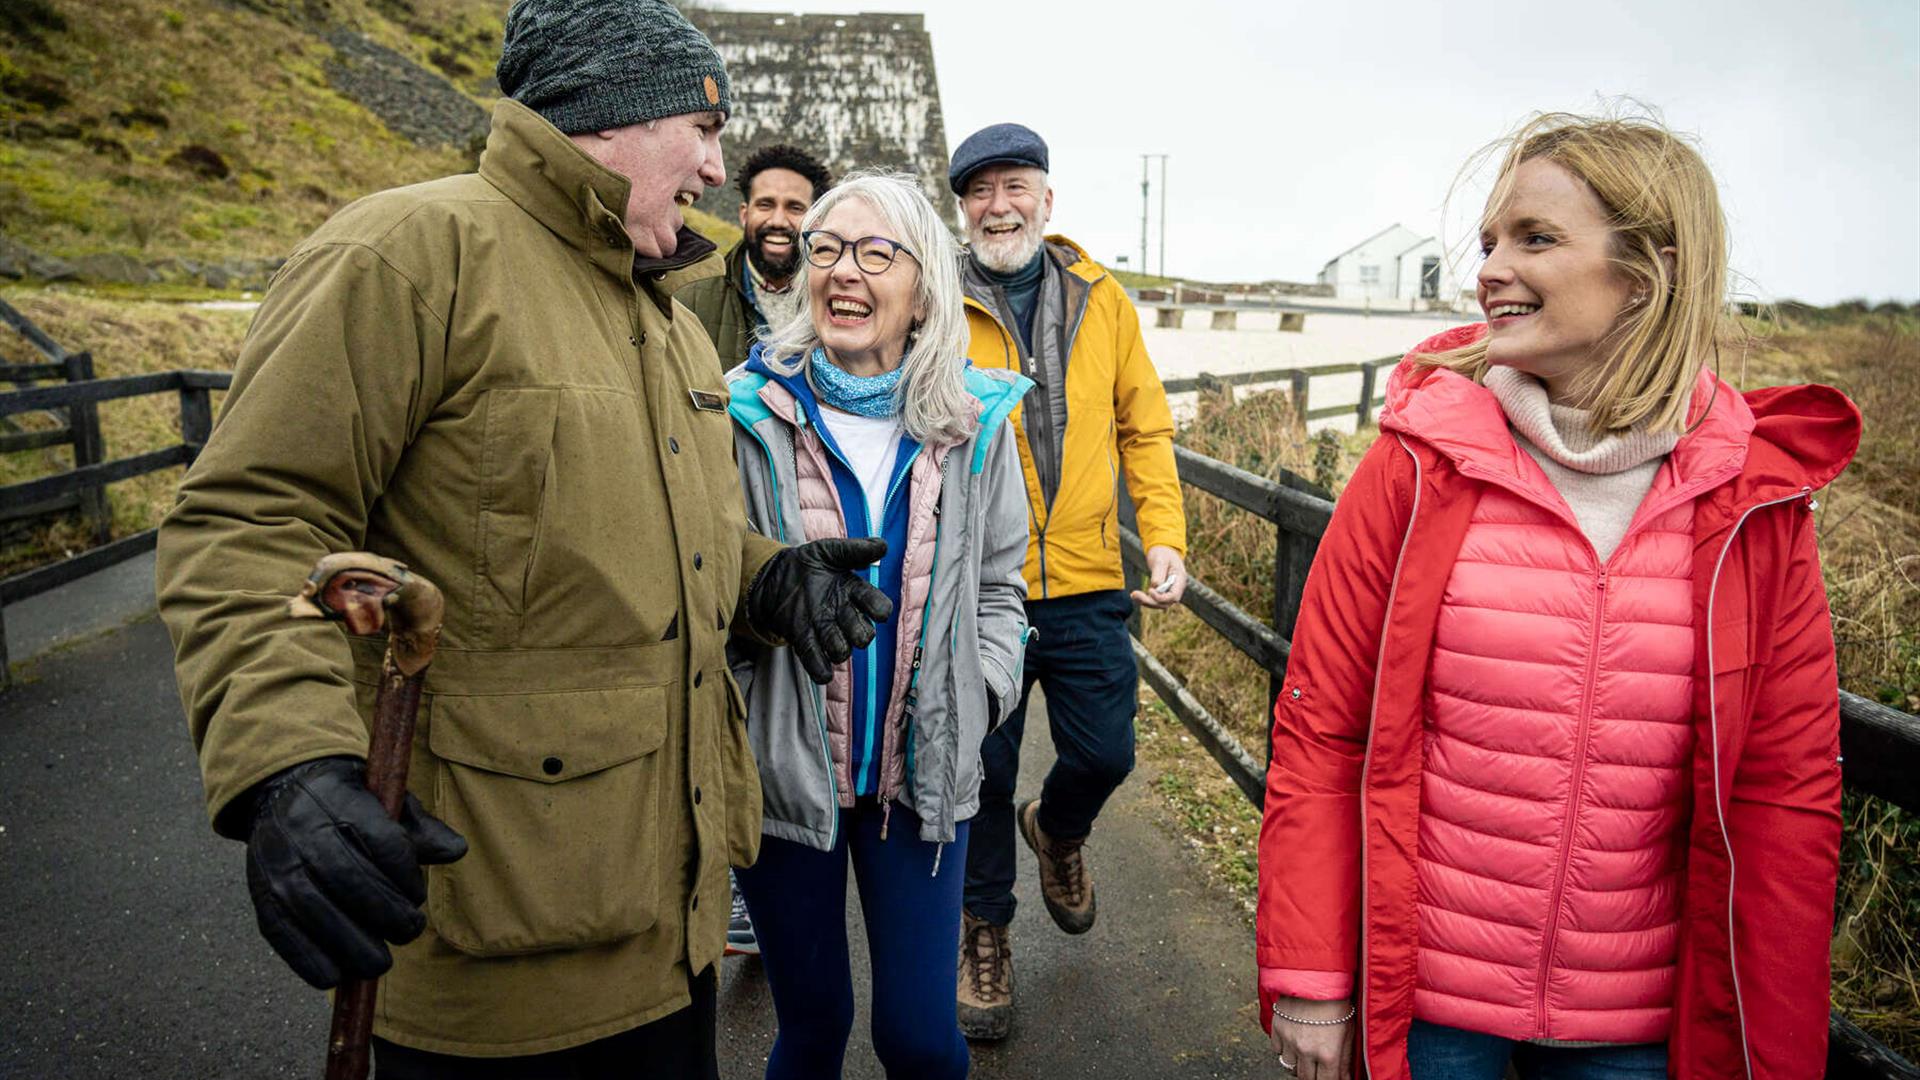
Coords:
pixel 1363 243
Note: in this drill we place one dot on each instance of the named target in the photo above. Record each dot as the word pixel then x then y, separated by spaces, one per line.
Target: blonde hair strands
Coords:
pixel 1658 193
pixel 932 395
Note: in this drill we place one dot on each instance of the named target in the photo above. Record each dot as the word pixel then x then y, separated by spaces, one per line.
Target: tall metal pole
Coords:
pixel 1163 215
pixel 1143 213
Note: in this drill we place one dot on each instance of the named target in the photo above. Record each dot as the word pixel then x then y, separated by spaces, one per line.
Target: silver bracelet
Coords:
pixel 1352 1011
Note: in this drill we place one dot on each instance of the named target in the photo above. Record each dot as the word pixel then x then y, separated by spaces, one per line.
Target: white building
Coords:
pixel 1395 267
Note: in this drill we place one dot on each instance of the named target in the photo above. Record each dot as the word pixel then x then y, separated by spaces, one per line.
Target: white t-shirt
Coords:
pixel 870 444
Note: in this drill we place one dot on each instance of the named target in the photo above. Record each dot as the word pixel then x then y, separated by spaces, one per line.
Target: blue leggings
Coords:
pixel 797 897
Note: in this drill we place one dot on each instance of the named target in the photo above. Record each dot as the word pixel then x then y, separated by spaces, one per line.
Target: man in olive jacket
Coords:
pixel 758 286
pixel 483 377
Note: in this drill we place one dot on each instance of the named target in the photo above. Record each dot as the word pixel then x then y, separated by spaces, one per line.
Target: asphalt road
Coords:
pixel 130 951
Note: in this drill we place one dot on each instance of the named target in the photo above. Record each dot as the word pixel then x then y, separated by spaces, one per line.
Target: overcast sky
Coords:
pixel 1297 130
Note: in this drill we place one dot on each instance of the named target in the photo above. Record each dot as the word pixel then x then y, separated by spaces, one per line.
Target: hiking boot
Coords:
pixel 985 1005
pixel 740 939
pixel 1065 883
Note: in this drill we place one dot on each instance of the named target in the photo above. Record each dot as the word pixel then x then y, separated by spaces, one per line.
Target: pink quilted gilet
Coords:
pixel 821 517
pixel 1553 795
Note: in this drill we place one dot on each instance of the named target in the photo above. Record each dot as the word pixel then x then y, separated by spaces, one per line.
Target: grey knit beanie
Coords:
pixel 593 65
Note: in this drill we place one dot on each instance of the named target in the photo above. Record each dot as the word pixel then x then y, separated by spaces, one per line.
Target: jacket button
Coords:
pixel 673 444
pixel 552 766
pixel 696 796
pixel 697 677
pixel 634 341
pixel 1296 693
pixel 696 560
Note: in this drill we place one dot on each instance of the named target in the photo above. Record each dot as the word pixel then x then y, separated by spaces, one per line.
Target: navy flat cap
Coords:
pixel 1001 144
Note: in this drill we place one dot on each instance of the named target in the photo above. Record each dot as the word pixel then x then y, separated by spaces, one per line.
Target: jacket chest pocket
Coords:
pixel 561 797
pixel 577 542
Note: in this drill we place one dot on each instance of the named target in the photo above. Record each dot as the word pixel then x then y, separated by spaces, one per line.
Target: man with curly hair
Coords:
pixel 757 288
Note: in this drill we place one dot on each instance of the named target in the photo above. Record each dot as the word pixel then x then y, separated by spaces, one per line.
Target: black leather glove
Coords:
pixel 807 597
pixel 333 878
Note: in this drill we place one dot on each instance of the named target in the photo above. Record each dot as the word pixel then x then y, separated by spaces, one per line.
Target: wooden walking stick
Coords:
pixel 370 593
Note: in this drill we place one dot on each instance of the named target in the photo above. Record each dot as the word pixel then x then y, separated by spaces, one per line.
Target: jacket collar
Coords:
pixel 575 197
pixel 1463 421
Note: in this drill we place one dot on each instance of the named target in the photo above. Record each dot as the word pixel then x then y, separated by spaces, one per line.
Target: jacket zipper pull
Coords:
pixel 938 850
pixel 886 813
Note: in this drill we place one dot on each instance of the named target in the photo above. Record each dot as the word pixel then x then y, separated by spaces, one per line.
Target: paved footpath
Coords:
pixel 129 949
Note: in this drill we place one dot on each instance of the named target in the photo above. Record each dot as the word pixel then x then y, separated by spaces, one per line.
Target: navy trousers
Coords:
pixel 1083 660
pixel 910 902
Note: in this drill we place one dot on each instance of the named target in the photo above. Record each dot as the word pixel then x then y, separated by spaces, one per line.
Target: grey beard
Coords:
pixel 1006 256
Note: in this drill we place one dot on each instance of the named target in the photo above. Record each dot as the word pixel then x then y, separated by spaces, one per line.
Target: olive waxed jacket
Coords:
pixel 467 376
pixel 721 304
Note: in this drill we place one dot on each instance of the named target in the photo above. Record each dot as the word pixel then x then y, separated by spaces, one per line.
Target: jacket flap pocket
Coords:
pixel 550 738
pixel 1732 650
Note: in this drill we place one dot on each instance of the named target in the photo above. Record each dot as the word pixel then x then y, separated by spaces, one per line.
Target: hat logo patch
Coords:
pixel 713 91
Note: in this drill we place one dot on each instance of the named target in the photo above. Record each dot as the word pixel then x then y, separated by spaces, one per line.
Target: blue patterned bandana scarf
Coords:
pixel 861 395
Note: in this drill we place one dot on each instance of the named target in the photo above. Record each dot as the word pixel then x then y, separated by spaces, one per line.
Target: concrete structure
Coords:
pixel 855 90
pixel 1395 266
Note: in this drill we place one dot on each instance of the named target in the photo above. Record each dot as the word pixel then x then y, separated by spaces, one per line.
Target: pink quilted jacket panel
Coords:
pixel 1554 786
pixel 821 518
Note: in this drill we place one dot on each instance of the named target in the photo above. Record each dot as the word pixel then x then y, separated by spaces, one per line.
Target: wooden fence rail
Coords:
pixel 1299 382
pixel 89 480
pixel 79 426
pixel 1880 746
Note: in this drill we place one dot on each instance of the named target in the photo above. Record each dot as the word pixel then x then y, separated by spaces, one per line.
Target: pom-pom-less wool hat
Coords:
pixel 594 65
pixel 1001 144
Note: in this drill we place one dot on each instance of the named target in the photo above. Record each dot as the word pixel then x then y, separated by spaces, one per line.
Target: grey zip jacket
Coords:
pixel 967 638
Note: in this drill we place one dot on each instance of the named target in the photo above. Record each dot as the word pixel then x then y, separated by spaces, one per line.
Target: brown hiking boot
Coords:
pixel 1065 883
pixel 985 1004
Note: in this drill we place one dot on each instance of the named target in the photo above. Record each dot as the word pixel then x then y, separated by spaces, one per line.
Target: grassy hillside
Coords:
pixel 211 129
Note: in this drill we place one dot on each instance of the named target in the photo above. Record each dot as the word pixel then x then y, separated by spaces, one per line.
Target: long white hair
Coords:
pixel 932 395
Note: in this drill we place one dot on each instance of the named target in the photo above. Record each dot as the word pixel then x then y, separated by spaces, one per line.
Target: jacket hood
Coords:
pixel 1775 438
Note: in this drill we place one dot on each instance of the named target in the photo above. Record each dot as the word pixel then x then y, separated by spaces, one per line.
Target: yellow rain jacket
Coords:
pixel 1096 413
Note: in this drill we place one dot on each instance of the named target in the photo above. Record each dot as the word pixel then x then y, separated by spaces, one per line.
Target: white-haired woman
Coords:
pixel 861 419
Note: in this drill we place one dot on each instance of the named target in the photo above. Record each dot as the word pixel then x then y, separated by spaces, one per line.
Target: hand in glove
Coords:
pixel 333 878
pixel 808 597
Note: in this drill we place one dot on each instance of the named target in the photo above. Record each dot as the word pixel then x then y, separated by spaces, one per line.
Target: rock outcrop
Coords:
pixel 418 104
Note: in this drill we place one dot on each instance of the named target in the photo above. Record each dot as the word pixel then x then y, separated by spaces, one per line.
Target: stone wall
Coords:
pixel 855 90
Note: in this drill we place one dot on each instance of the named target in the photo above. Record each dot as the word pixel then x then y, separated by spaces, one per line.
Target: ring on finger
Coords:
pixel 1288 1065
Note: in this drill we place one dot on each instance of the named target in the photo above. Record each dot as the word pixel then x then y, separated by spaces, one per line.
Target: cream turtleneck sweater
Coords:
pixel 1602 478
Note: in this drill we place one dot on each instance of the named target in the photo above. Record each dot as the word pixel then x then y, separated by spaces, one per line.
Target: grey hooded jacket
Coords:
pixel 972 637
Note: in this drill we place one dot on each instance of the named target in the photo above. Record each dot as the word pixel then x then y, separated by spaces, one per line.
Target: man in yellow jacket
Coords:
pixel 1095 416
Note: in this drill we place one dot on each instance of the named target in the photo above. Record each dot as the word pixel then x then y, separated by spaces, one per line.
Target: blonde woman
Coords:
pixel 1555 774
pixel 860 419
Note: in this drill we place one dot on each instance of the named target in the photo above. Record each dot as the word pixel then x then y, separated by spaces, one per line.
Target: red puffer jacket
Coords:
pixel 1339 843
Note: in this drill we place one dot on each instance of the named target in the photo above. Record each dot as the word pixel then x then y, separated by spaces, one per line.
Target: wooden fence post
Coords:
pixel 1298 380
pixel 1292 557
pixel 89 447
pixel 196 419
pixel 1367 375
